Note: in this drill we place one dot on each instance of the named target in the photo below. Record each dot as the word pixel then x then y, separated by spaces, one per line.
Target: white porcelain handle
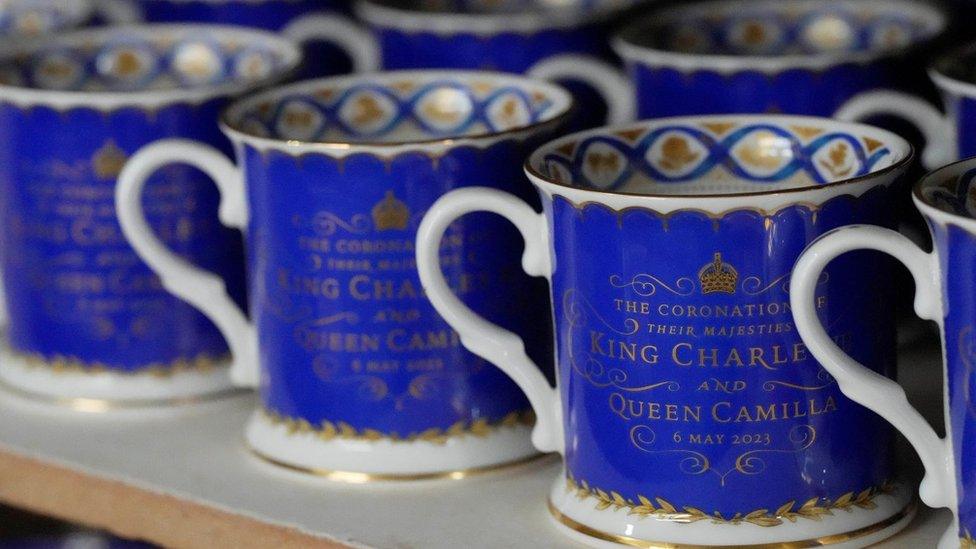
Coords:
pixel 489 341
pixel 939 143
pixel 860 384
pixel 611 82
pixel 202 289
pixel 357 42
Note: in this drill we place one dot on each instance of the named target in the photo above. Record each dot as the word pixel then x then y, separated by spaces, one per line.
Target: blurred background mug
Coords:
pixel 359 377
pixel 330 45
pixel 944 294
pixel 87 317
pixel 768 56
pixel 949 136
pixel 687 409
pixel 529 37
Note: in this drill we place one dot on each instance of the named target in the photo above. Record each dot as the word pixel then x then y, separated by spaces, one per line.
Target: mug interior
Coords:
pixel 398 107
pixel 951 189
pixel 718 155
pixel 148 58
pixel 38 17
pixel 787 27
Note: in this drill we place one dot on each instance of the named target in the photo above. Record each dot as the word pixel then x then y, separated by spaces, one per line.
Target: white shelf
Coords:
pixel 183 477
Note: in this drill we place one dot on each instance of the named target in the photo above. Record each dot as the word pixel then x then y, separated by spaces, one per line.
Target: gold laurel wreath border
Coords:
pixel 328 430
pixel 812 509
pixel 59 364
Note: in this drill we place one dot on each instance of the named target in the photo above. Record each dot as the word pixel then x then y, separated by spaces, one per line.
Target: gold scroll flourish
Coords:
pixel 813 509
pixel 692 463
pixel 599 376
pixel 327 223
pixel 340 430
pixel 70 365
pixel 646 285
pixel 822 375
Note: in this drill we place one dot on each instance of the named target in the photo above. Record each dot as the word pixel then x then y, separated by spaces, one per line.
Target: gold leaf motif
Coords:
pixel 676 153
pixel 644 507
pixel 69 365
pixel 341 430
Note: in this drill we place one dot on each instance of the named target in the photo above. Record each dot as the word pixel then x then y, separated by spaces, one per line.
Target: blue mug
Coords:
pixel 330 46
pixel 87 319
pixel 769 56
pixel 529 37
pixel 687 409
pixel 358 376
pixel 949 136
pixel 945 294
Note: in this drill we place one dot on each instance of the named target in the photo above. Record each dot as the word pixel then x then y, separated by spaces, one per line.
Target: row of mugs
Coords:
pixel 724 56
pixel 685 392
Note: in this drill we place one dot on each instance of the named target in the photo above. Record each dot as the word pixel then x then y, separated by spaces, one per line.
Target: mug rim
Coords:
pixel 565 108
pixel 927 207
pixel 382 13
pixel 602 195
pixel 626 45
pixel 149 98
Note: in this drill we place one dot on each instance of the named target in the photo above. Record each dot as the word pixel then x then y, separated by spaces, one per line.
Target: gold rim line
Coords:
pixel 564 520
pixel 102 405
pixel 351 477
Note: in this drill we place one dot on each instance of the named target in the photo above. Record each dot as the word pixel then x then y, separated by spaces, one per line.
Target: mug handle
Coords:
pixel 483 338
pixel 204 290
pixel 611 82
pixel 358 42
pixel 861 384
pixel 928 119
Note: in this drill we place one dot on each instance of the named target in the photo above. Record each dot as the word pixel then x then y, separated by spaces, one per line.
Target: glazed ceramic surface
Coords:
pixel 687 408
pixel 944 294
pixel 789 56
pixel 354 361
pixel 950 135
pixel 72 110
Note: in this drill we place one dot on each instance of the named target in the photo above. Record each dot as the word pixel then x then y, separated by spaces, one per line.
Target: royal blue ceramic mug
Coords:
pixel 532 37
pixel 88 320
pixel 329 44
pixel 359 378
pixel 945 294
pixel 687 409
pixel 949 136
pixel 768 56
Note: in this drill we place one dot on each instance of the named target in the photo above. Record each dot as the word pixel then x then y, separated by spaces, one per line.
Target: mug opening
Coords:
pixel 795 32
pixel 144 62
pixel 397 108
pixel 956 69
pixel 719 156
pixel 950 189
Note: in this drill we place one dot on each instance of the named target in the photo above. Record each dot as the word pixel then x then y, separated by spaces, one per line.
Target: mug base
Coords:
pixel 106 389
pixel 614 528
pixel 387 460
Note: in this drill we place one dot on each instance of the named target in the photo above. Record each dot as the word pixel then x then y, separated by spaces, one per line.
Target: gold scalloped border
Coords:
pixel 60 365
pixel 812 509
pixel 341 430
pixel 967 542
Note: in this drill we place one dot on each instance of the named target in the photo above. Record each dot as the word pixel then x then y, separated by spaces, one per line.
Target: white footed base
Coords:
pixel 613 528
pixel 110 388
pixel 367 460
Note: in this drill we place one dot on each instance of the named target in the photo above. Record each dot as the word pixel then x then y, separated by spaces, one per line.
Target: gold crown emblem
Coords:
pixel 109 161
pixel 391 214
pixel 718 276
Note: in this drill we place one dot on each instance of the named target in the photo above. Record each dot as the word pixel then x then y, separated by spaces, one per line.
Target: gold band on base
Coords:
pixel 102 405
pixel 800 544
pixel 361 478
